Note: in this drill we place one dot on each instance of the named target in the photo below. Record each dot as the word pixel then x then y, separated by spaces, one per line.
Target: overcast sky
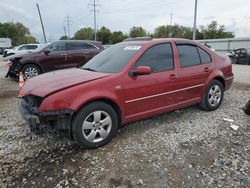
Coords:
pixel 122 15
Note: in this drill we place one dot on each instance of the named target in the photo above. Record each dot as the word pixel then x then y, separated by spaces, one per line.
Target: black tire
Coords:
pixel 207 97
pixel 86 115
pixel 36 70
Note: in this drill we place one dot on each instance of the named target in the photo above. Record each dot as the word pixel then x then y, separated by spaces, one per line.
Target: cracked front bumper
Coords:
pixel 61 118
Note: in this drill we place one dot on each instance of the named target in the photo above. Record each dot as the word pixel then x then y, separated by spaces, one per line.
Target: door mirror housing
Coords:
pixel 46 52
pixel 141 70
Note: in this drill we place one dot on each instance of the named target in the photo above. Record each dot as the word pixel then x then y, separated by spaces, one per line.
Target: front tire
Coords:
pixel 95 125
pixel 31 70
pixel 213 96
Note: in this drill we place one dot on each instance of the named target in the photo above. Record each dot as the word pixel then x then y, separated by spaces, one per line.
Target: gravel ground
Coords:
pixel 184 148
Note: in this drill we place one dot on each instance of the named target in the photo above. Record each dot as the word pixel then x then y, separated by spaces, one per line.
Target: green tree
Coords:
pixel 86 33
pixel 64 37
pixel 29 39
pixel 214 31
pixel 17 32
pixel 117 36
pixel 104 35
pixel 137 32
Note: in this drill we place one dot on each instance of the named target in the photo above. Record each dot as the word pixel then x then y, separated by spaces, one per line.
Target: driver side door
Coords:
pixel 146 95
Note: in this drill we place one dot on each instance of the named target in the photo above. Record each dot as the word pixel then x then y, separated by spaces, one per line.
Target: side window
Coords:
pixel 74 46
pixel 57 47
pixel 88 46
pixel 188 55
pixel 31 47
pixel 159 58
pixel 205 57
pixel 22 48
pixel 79 46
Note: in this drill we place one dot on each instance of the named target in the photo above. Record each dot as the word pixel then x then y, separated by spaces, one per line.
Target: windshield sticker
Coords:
pixel 132 47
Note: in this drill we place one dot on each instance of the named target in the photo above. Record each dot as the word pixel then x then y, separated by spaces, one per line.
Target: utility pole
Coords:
pixel 195 15
pixel 44 37
pixel 64 28
pixel 94 5
pixel 171 19
pixel 68 21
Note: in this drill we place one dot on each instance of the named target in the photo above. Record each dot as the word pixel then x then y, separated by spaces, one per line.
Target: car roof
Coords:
pixel 158 40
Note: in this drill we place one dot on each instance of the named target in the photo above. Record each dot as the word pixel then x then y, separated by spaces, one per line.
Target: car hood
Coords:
pixel 21 55
pixel 48 83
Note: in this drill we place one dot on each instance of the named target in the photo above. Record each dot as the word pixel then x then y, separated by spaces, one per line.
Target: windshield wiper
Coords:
pixel 89 69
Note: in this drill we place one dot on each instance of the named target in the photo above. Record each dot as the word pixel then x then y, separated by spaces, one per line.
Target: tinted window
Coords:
pixel 31 47
pixel 205 57
pixel 79 46
pixel 22 48
pixel 159 58
pixel 188 55
pixel 57 47
pixel 113 59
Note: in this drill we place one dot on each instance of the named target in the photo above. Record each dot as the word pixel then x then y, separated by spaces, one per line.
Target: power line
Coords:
pixel 94 5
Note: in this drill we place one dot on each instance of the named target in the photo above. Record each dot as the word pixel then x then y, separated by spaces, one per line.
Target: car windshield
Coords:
pixel 113 59
pixel 41 47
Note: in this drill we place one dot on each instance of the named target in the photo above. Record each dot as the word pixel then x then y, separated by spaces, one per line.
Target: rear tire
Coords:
pixel 31 70
pixel 213 96
pixel 95 125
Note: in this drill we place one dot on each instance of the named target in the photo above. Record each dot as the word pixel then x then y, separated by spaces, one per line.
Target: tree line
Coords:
pixel 104 34
pixel 20 34
pixel 17 32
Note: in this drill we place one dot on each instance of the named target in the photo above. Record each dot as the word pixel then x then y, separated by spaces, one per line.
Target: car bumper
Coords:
pixel 36 120
pixel 14 69
pixel 228 82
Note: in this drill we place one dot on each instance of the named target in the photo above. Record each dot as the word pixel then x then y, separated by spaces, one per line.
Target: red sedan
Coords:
pixel 129 81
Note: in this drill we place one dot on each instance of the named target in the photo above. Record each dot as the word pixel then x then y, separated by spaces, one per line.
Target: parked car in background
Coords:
pixel 126 82
pixel 246 109
pixel 57 55
pixel 22 49
pixel 239 56
pixel 5 43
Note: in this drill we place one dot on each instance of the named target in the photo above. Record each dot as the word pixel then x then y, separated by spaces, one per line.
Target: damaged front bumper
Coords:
pixel 36 120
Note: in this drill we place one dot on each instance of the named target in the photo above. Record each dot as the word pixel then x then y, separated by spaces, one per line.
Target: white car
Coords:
pixel 24 48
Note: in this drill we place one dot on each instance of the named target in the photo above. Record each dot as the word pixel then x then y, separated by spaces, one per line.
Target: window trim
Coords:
pixel 206 53
pixel 171 46
pixel 188 44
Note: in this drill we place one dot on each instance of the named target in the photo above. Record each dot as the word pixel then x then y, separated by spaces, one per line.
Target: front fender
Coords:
pixel 74 98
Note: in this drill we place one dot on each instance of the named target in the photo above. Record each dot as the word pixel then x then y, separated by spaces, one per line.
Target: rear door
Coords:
pixel 146 94
pixel 79 53
pixel 195 65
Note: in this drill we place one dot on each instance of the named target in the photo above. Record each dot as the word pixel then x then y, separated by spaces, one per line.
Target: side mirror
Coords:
pixel 141 70
pixel 46 52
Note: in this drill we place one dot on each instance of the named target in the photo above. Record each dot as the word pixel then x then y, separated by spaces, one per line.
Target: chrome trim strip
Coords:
pixel 230 78
pixel 166 93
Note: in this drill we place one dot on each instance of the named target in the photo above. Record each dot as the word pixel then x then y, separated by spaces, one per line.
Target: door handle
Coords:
pixel 63 54
pixel 172 77
pixel 206 69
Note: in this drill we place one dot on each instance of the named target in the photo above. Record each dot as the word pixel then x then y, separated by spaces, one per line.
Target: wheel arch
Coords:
pixel 33 63
pixel 220 79
pixel 108 101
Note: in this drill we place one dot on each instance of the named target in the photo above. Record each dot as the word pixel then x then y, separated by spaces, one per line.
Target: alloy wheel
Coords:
pixel 97 126
pixel 214 95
